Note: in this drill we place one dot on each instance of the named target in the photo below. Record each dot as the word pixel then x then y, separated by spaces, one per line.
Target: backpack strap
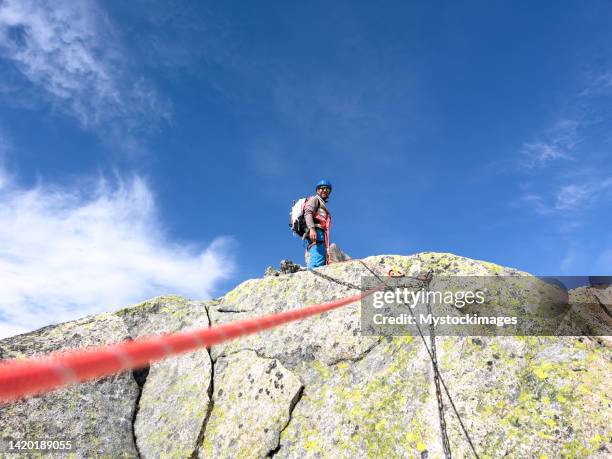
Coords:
pixel 322 203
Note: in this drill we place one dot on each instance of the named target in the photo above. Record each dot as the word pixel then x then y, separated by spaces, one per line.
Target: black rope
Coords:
pixel 337 281
pixel 433 359
pixel 434 362
pixel 432 355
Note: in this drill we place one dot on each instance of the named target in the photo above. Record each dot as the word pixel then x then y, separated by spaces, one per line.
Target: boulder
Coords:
pixel 319 387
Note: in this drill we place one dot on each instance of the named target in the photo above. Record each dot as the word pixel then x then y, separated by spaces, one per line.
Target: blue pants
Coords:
pixel 318 252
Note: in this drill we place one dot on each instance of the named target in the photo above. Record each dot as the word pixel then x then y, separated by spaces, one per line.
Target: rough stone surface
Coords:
pixel 530 396
pixel 163 314
pixel 336 254
pixel 592 311
pixel 604 296
pixel 366 396
pixel 253 400
pixel 173 406
pixel 289 267
pixel 379 406
pixel 270 271
pixel 285 267
pixel 95 416
pixel 174 399
pixel 341 394
pixel 330 337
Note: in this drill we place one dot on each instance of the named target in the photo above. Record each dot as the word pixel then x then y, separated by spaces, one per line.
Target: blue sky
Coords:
pixel 156 147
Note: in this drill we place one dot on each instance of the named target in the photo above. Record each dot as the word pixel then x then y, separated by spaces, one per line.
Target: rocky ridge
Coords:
pixel 317 387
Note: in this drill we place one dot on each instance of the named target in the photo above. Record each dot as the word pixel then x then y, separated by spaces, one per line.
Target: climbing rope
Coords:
pixel 434 362
pixel 426 280
pixel 36 375
pixel 392 273
pixel 337 281
pixel 450 399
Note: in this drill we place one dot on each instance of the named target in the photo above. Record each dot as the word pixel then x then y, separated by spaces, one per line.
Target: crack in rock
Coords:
pixel 242 349
pixel 357 358
pixel 140 376
pixel 211 405
pixel 249 391
pixel 231 311
pixel 211 400
pixel 292 405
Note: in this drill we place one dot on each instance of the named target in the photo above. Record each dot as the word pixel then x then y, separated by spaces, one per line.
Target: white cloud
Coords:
pixel 573 196
pixel 4 177
pixel 11 330
pixel 537 202
pixel 584 195
pixel 71 51
pixel 553 144
pixel 599 83
pixel 539 153
pixel 66 253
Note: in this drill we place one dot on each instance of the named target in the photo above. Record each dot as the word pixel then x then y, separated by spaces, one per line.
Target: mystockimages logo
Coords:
pixel 430 319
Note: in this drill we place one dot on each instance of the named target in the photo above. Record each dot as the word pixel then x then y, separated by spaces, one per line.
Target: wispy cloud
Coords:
pixel 598 83
pixel 4 177
pixel 539 153
pixel 553 144
pixel 537 202
pixel 71 52
pixel 66 253
pixel 568 165
pixel 574 196
pixel 571 198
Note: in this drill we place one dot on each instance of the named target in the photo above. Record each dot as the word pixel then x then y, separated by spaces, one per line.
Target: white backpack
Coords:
pixel 297 223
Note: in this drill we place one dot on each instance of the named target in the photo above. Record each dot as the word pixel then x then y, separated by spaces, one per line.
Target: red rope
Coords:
pixel 20 378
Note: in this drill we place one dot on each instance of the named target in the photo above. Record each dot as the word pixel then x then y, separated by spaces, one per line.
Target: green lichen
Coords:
pixel 554 405
pixel 369 414
pixel 140 308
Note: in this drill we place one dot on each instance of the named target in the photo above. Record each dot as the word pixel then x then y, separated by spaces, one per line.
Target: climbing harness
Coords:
pixel 322 218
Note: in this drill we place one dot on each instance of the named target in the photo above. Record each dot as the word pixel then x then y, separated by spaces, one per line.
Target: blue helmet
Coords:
pixel 324 182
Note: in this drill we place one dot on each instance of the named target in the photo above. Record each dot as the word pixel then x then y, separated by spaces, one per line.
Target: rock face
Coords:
pixel 254 397
pixel 96 416
pixel 336 254
pixel 318 388
pixel 109 417
pixel 285 267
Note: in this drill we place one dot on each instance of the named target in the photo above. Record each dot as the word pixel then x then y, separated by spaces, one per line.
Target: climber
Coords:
pixel 318 223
